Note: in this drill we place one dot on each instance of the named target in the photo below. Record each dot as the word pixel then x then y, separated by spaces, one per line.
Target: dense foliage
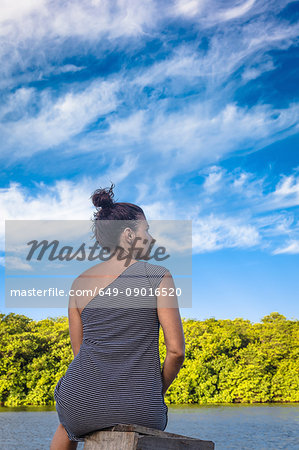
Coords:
pixel 226 360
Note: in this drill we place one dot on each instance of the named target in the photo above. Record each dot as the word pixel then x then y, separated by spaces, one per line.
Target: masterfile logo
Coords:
pixel 43 258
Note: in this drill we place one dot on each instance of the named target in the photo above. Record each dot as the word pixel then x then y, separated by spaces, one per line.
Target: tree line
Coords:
pixel 226 361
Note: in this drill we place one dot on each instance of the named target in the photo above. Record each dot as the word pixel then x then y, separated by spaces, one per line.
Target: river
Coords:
pixel 237 426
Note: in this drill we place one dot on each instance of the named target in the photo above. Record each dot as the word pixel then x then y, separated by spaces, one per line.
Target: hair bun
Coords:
pixel 103 198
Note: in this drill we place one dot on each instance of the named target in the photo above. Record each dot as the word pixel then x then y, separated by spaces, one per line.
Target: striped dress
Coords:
pixel 116 375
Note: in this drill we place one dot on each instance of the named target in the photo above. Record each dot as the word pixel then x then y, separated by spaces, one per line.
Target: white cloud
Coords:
pixel 196 134
pixel 212 182
pixel 183 62
pixel 285 195
pixel 229 217
pixel 188 8
pixel 64 200
pixel 288 186
pixel 214 233
pixel 130 127
pixel 252 73
pixel 246 190
pixel 58 119
pixel 191 131
pixel 33 30
pixel 12 12
pixel 89 19
pixel 281 37
pixel 238 213
pixel 15 263
pixel 236 11
pixel 291 248
pixel 187 65
pixel 212 10
pixel 67 68
pixel 239 181
pixel 160 210
pixel 215 12
pixel 37 33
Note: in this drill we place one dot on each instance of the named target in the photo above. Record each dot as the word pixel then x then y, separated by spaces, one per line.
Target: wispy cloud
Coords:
pixel 200 127
pixel 63 200
pixel 15 263
pixel 291 248
pixel 57 119
pixel 214 12
pixel 116 79
pixel 88 19
pixel 248 189
pixel 236 11
pixel 229 215
pixel 214 233
pixel 264 218
pixel 285 195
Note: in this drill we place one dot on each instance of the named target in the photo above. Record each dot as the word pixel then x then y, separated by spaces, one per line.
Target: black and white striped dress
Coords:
pixel 116 375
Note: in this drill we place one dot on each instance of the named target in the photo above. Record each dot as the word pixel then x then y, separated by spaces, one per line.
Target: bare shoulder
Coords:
pixel 94 270
pixel 88 277
pixel 86 281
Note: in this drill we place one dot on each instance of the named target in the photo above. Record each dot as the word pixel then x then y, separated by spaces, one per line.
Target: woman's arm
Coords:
pixel 75 322
pixel 170 320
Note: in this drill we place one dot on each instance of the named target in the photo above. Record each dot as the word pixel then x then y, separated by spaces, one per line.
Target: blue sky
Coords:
pixel 189 106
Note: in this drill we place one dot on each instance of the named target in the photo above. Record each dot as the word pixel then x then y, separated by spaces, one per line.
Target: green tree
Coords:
pixel 226 361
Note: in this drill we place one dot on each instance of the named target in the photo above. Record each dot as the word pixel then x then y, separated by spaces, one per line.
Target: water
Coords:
pixel 261 426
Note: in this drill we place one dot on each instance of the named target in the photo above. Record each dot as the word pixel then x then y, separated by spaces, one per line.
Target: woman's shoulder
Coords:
pixel 93 270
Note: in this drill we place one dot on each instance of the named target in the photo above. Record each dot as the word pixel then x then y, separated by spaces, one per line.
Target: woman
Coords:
pixel 115 376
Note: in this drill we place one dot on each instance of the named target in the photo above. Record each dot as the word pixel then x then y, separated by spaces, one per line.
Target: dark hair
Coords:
pixel 107 233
